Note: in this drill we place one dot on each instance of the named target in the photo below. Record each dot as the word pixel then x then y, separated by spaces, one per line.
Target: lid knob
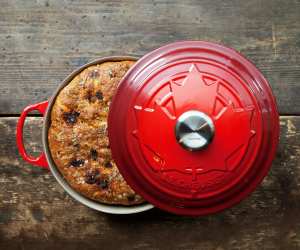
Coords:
pixel 194 130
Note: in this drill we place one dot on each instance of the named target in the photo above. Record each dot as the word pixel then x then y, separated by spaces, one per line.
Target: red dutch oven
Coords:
pixel 193 127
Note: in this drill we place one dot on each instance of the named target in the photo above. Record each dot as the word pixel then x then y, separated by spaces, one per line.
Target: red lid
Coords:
pixel 193 127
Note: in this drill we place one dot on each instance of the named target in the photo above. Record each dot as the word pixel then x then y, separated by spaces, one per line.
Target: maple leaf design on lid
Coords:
pixel 156 123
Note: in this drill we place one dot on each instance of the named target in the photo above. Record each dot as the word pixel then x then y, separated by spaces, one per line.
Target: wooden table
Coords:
pixel 42 41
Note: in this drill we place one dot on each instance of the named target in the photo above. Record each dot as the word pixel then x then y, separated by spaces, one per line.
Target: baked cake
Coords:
pixel 78 138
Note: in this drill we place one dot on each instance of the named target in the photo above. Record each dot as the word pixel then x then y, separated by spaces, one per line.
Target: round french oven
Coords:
pixel 192 127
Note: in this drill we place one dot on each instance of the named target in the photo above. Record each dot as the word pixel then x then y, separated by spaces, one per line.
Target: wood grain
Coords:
pixel 42 41
pixel 35 212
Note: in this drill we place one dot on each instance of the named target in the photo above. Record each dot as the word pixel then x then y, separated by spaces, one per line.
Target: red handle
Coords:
pixel 41 160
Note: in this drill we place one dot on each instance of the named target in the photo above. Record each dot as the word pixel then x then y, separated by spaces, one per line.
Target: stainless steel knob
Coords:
pixel 194 130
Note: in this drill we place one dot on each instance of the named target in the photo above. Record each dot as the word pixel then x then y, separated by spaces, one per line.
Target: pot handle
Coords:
pixel 41 160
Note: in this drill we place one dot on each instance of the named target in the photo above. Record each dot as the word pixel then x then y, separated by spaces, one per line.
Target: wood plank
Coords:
pixel 41 42
pixel 35 212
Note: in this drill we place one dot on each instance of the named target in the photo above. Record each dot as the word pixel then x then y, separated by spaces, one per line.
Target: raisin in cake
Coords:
pixel 78 138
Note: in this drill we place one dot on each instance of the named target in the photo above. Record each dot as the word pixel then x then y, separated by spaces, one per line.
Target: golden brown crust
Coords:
pixel 78 138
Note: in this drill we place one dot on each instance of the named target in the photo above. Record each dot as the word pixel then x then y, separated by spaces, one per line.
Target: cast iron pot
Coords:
pixel 45 160
pixel 193 127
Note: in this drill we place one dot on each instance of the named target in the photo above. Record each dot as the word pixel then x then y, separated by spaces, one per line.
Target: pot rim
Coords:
pixel 107 208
